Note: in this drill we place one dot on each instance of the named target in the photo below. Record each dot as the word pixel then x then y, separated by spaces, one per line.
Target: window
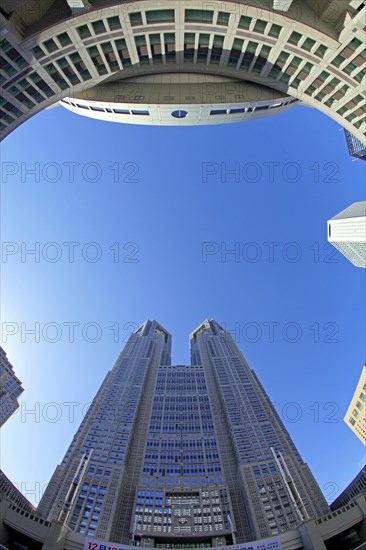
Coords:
pixel 97 60
pixel 260 26
pixel 321 50
pixel 244 22
pixel 160 16
pixel 123 52
pixel 199 16
pixel 66 69
pixel 55 75
pixel 98 27
pixel 338 60
pixel 135 19
pixel 64 39
pixel 141 47
pixel 110 56
pixel 223 18
pixel 80 66
pixel 218 112
pixel 114 23
pixel 308 44
pixel 294 38
pixel 38 52
pixel 50 45
pixel 275 31
pixel 83 31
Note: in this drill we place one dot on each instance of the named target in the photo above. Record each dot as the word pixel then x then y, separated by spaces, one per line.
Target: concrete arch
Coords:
pixel 308 50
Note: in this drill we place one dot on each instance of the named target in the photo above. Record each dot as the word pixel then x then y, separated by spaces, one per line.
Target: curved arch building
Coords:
pixel 183 62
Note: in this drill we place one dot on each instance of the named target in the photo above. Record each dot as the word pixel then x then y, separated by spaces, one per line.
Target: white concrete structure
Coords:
pixel 310 51
pixel 347 233
pixel 355 417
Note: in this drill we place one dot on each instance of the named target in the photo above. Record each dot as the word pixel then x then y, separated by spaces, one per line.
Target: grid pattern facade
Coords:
pixel 356 488
pixel 355 147
pixel 9 492
pixel 175 456
pixel 322 63
pixel 267 476
pixel 355 417
pixel 347 233
pixel 10 389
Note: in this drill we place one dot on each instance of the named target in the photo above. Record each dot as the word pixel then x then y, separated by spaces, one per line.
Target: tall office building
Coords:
pixel 183 62
pixel 347 233
pixel 181 456
pixel 355 417
pixel 356 488
pixel 356 148
pixel 10 388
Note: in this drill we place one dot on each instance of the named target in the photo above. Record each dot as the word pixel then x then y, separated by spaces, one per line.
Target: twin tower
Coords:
pixel 182 456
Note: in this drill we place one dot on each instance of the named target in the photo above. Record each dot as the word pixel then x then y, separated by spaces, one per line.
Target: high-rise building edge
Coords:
pixel 10 388
pixel 176 456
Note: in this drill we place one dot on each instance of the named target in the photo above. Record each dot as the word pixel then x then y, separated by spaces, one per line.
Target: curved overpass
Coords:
pixel 307 50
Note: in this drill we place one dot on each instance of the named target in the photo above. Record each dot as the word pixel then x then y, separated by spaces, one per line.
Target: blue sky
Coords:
pixel 149 216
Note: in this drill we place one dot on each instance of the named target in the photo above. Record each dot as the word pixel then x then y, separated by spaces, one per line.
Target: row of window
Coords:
pixel 96 108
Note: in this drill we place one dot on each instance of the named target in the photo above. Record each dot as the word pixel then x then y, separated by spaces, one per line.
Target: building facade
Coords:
pixel 355 417
pixel 10 388
pixel 181 456
pixel 356 488
pixel 347 233
pixel 11 493
pixel 356 148
pixel 186 62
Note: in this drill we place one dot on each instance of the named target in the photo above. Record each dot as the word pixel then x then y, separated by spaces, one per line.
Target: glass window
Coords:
pixel 64 39
pixel 354 44
pixel 97 60
pixel 244 22
pixel 113 23
pixel 260 26
pixel 275 31
pixel 321 50
pixel 123 52
pixel 83 31
pixel 80 66
pixel 98 27
pixel 308 44
pixel 38 52
pixel 218 112
pixel 350 68
pixel 338 60
pixel 110 56
pixel 55 75
pixel 294 38
pixel 135 19
pixel 159 16
pixel 223 18
pixel 41 84
pixel 50 45
pixel 199 16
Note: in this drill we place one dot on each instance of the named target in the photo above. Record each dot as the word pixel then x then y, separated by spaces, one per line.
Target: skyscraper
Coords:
pixel 183 62
pixel 347 233
pixel 176 456
pixel 356 148
pixel 10 388
pixel 355 417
